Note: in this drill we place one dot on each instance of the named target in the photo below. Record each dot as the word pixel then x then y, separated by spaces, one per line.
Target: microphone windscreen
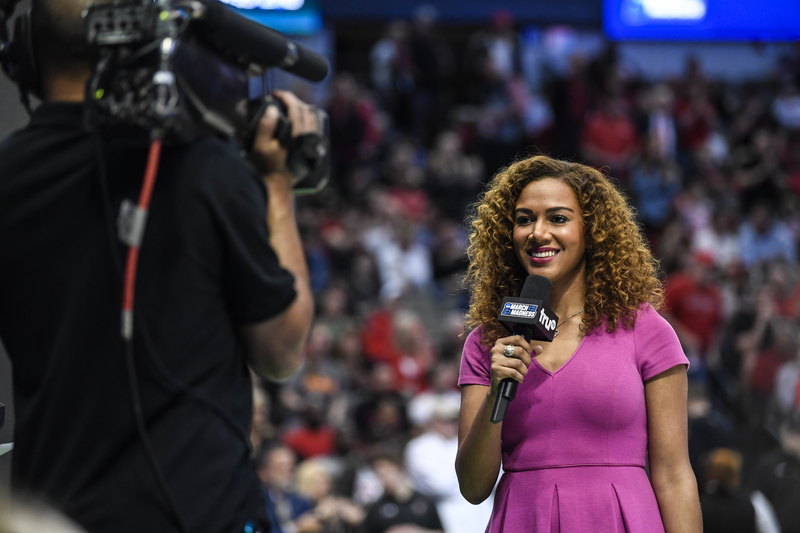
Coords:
pixel 536 288
pixel 256 43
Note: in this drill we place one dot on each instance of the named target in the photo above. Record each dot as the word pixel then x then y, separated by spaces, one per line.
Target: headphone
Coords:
pixel 17 55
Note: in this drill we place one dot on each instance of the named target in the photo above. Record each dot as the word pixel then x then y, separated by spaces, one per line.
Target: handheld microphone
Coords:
pixel 529 317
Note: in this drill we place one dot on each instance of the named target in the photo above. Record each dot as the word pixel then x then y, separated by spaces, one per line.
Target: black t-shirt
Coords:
pixel 777 475
pixel 205 267
pixel 727 511
pixel 387 512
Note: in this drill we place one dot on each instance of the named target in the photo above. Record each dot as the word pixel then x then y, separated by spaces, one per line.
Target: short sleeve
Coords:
pixel 657 345
pixel 476 361
pixel 256 287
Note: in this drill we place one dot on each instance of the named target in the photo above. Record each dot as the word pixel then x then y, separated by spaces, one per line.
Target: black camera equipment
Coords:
pixel 191 66
pixel 182 68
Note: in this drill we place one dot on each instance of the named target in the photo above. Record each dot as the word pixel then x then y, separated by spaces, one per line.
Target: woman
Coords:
pixel 605 395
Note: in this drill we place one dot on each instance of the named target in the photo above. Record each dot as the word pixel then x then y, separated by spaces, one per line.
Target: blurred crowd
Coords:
pixel 364 437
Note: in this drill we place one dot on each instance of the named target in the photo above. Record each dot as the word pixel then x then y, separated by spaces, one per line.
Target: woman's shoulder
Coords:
pixel 647 312
pixel 646 316
pixel 474 341
pixel 475 335
pixel 647 323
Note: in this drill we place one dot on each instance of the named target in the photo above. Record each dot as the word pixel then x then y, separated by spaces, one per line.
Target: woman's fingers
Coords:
pixel 522 349
pixel 510 359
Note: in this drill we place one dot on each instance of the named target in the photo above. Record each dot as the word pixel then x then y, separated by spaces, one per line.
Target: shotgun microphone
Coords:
pixel 529 317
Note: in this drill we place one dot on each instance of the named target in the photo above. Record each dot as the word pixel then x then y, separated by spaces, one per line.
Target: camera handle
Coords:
pixel 308 157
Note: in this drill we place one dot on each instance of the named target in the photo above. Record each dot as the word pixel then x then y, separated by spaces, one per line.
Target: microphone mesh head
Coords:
pixel 536 288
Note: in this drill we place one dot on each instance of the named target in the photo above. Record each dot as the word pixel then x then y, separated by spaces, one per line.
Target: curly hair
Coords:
pixel 621 272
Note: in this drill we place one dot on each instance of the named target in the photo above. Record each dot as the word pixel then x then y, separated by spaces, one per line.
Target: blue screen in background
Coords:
pixel 292 17
pixel 702 20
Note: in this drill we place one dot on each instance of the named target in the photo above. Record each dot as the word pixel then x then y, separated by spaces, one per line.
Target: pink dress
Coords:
pixel 575 440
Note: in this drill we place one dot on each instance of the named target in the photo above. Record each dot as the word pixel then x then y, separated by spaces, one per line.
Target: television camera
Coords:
pixel 181 68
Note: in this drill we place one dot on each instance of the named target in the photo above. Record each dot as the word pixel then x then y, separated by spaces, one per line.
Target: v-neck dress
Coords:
pixel 574 441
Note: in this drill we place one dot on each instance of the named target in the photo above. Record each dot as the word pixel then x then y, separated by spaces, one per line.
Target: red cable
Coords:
pixel 144 203
pixel 150 174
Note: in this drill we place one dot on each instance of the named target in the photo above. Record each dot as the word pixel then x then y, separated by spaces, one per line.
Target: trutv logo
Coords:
pixel 547 322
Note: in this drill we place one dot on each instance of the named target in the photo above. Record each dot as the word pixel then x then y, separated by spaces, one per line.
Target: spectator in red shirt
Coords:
pixel 314 437
pixel 780 348
pixel 693 305
pixel 696 117
pixel 609 137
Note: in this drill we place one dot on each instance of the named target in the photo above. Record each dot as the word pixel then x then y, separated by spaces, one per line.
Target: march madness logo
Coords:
pixel 520 310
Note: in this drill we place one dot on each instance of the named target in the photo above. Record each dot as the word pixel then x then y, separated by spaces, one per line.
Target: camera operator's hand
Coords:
pixel 267 153
pixel 275 347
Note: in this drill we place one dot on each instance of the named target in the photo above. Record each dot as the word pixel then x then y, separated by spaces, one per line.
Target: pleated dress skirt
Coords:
pixel 576 499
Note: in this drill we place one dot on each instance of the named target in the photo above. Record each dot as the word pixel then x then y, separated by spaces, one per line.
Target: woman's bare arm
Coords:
pixel 671 474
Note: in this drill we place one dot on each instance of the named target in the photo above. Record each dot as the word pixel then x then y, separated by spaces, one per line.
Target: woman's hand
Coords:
pixel 512 362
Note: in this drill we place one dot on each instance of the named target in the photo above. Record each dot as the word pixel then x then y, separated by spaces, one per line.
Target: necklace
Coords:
pixel 564 321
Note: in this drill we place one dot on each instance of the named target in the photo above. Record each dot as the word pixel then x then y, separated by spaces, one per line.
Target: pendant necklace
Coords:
pixel 564 321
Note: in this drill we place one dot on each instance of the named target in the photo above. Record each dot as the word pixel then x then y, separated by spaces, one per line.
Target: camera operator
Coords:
pixel 222 284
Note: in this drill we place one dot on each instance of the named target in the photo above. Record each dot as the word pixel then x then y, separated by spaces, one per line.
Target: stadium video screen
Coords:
pixel 702 20
pixel 292 17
